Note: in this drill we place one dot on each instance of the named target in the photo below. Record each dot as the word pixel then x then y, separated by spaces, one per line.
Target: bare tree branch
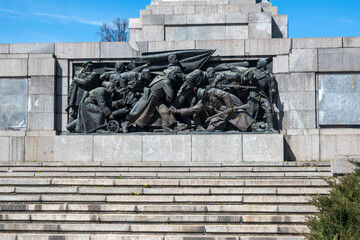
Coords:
pixel 117 31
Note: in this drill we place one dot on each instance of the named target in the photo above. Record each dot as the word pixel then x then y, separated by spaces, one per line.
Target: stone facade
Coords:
pixel 297 65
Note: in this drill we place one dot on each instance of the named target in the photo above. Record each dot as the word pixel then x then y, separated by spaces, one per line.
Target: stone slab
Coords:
pixel 39 121
pixel 259 17
pixel 303 147
pixel 42 67
pixel 119 148
pixel 41 103
pixel 263 148
pixel 267 46
pixel 281 64
pixel 175 148
pixel 4 48
pixel 217 148
pixel 342 165
pixel 335 92
pixel 13 67
pixel 44 85
pixel 117 50
pixel 205 32
pixel 223 47
pixel 339 60
pixel 39 149
pixel 306 43
pixel 303 60
pixel 14 102
pixel 260 30
pixel 5 149
pixel 152 33
pixel 32 48
pixel 73 148
pixel 351 42
pixel 170 45
pixel 77 50
pixel 237 32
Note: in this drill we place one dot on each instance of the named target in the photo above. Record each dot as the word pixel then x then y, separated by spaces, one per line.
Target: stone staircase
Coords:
pixel 158 201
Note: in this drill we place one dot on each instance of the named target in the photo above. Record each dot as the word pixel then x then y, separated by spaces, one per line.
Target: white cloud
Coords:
pixel 69 18
pixel 348 21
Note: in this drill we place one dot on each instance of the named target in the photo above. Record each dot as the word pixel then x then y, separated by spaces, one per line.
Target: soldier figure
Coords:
pixel 151 109
pixel 84 81
pixel 262 95
pixel 224 106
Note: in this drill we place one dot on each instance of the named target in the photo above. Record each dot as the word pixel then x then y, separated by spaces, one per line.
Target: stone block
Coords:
pixel 339 60
pixel 32 48
pixel 77 50
pixel 5 149
pixel 161 10
pixel 14 56
pixel 155 19
pixel 41 104
pixel 351 42
pixel 42 67
pixel 44 85
pixel 250 8
pixel 61 86
pixel 135 35
pixel 270 9
pixel 62 68
pixel 13 67
pixel 135 23
pixel 226 8
pixel 283 82
pixel 153 33
pixel 39 149
pixel 342 165
pixel 117 50
pixel 306 43
pixel 119 148
pixel 302 82
pixel 281 20
pixel 259 17
pixel 4 48
pixel 40 121
pixel 186 10
pixel 299 119
pixel 281 64
pixel 175 148
pixel 260 30
pixel 303 147
pixel 175 19
pixel 264 148
pixel 206 19
pixel 303 60
pixel 10 133
pixel 236 18
pixel 223 47
pixel 237 32
pixel 217 148
pixel 206 9
pixel 73 148
pixel 170 45
pixel 195 32
pixel 263 47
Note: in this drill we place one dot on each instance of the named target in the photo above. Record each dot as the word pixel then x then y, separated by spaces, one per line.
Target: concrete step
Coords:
pixel 141 182
pixel 161 208
pixel 168 190
pixel 151 218
pixel 37 236
pixel 167 169
pixel 156 228
pixel 168 174
pixel 213 199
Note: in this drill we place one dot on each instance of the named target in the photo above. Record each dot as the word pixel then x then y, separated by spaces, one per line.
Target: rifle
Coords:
pixel 236 86
pixel 241 108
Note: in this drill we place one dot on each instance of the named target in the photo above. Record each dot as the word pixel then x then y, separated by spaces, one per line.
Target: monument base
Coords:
pixel 191 147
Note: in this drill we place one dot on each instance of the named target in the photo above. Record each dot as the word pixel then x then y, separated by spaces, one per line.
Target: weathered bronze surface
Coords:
pixel 173 91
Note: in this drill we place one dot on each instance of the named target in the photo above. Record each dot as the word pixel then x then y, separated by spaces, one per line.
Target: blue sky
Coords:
pixel 27 21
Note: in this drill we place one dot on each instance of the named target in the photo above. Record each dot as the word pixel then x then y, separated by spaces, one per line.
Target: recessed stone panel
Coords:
pixel 338 99
pixel 14 99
